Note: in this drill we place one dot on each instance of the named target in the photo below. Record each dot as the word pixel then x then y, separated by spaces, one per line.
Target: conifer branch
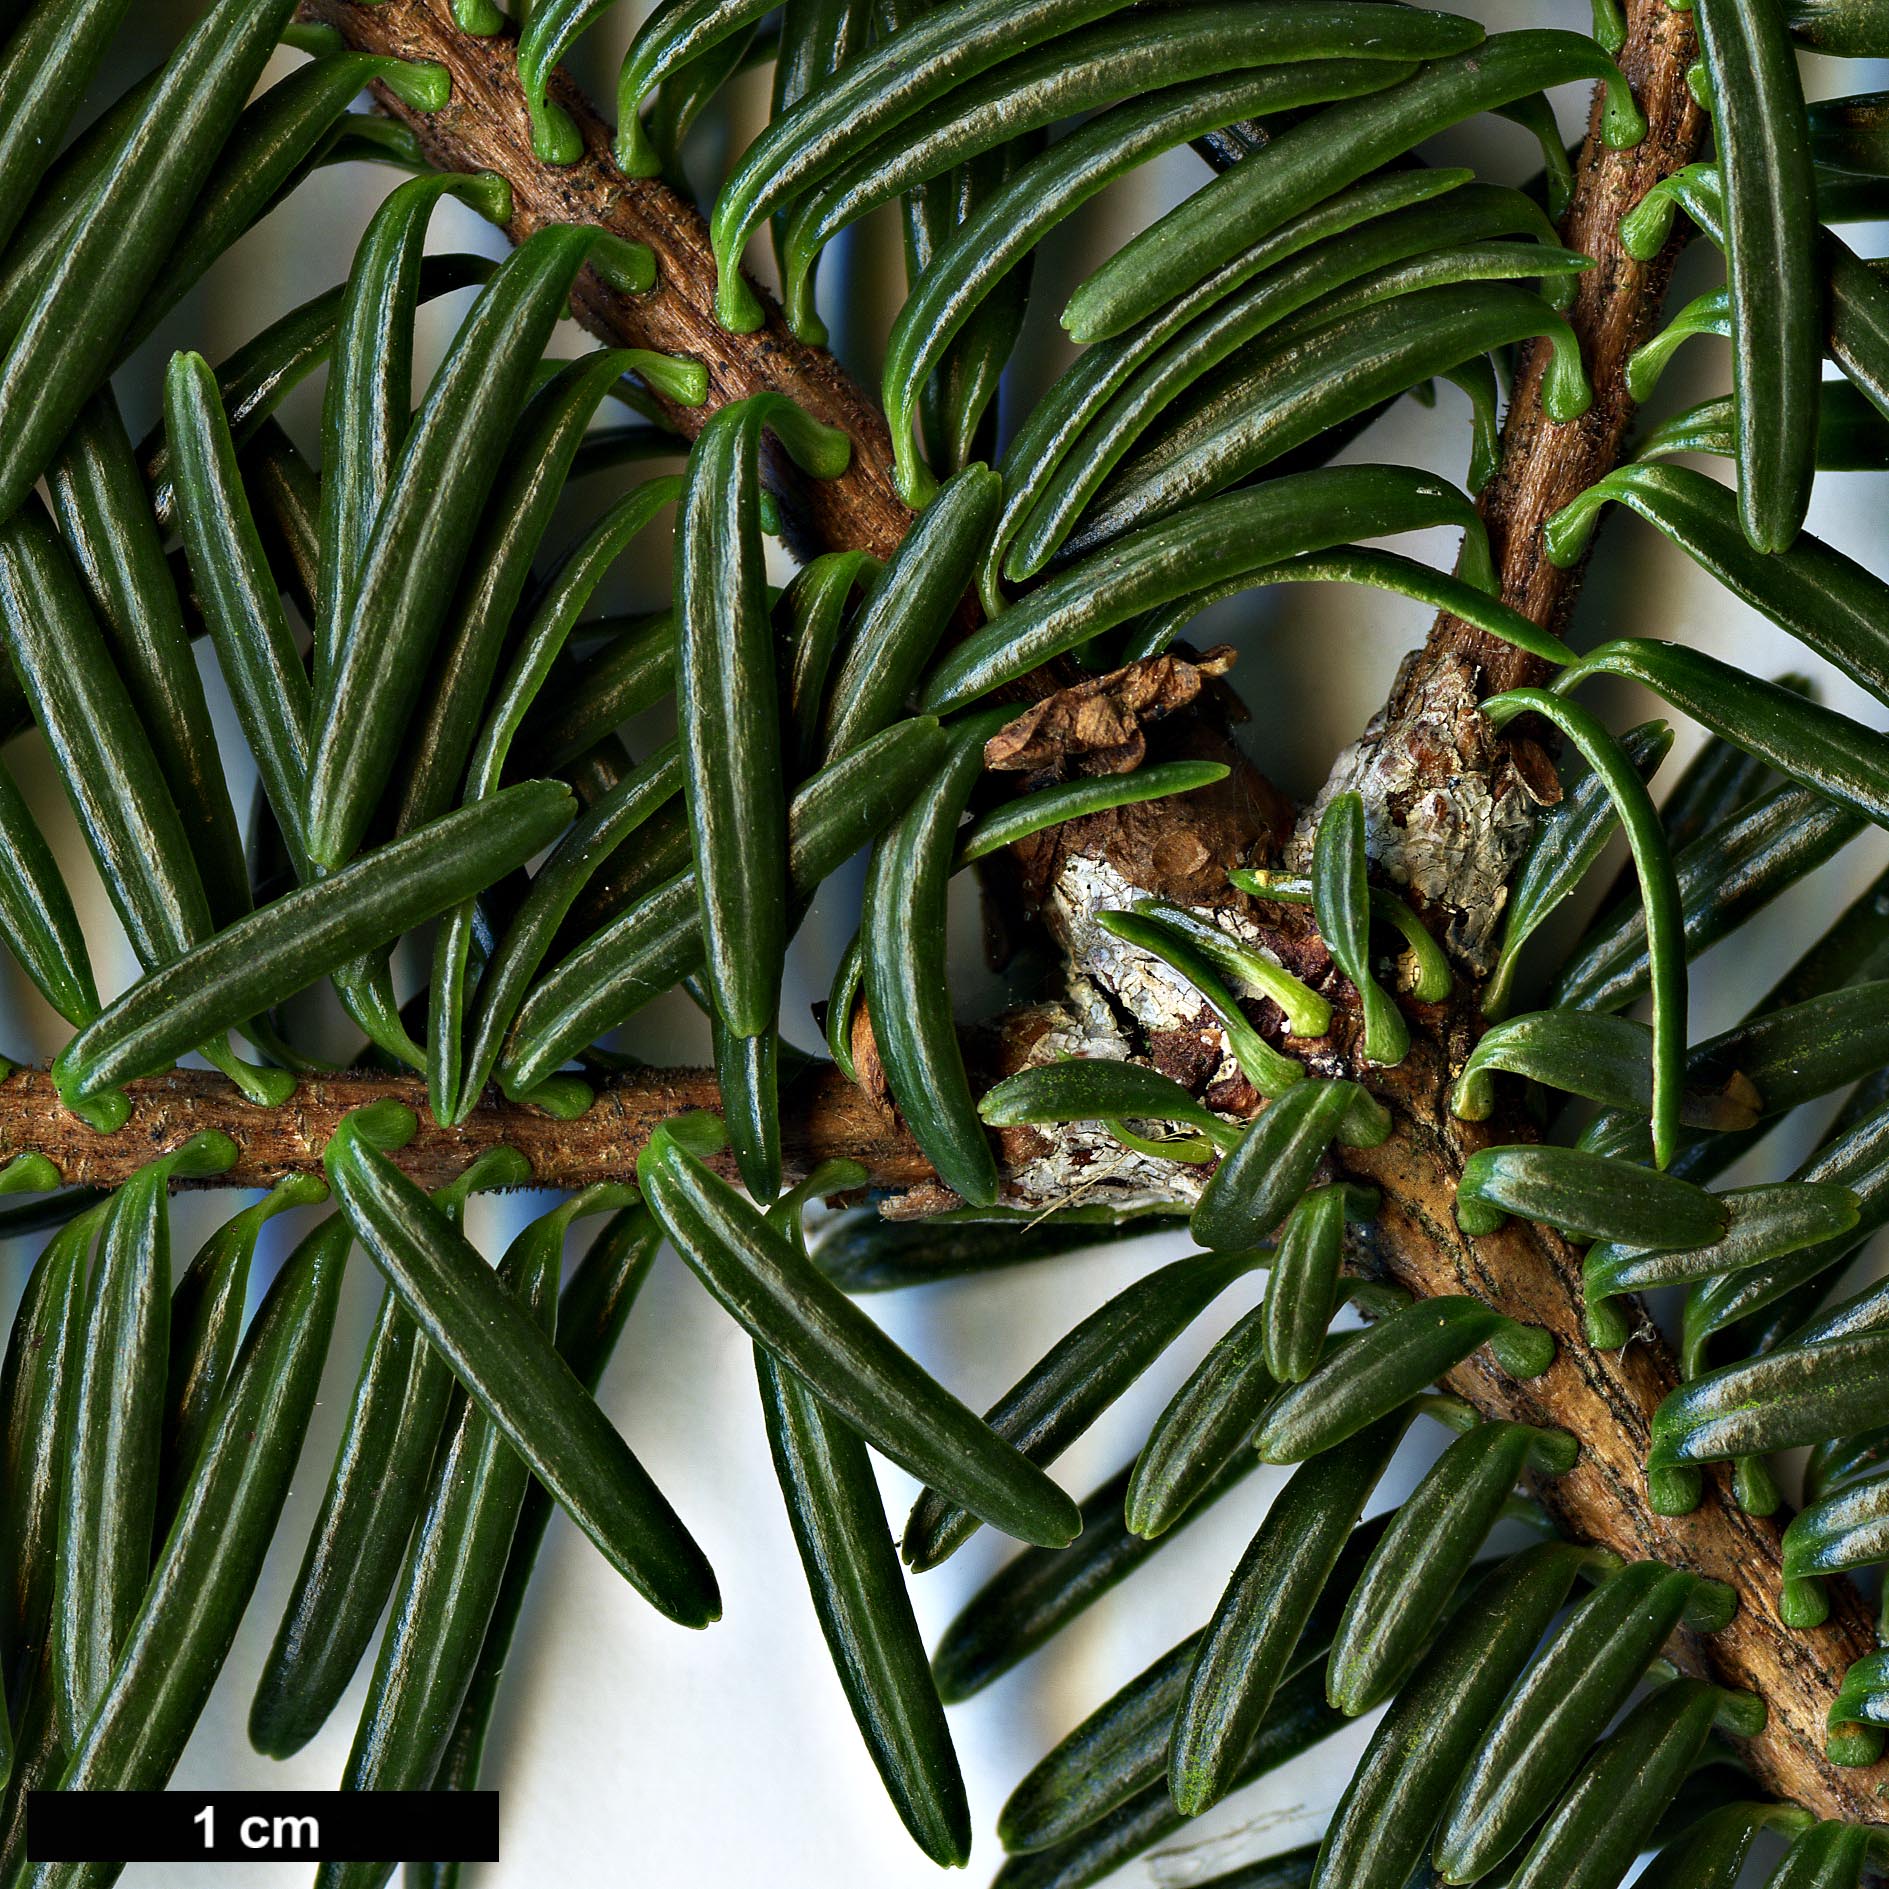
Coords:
pixel 1605 1399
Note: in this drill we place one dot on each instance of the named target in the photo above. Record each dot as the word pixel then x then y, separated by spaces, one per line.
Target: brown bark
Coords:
pixel 1605 1400
pixel 823 1118
pixel 485 127
pixel 1616 306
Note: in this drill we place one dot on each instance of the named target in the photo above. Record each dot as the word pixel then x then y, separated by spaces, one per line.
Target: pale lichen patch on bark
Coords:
pixel 1081 1162
pixel 1158 998
pixel 1115 994
pixel 1445 815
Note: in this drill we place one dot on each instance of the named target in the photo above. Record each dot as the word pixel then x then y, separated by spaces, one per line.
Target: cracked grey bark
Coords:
pixel 1453 835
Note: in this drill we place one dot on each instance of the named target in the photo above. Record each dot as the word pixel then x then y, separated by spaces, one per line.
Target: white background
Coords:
pixel 629 1750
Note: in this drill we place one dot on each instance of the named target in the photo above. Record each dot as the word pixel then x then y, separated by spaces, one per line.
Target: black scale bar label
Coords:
pixel 262 1826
